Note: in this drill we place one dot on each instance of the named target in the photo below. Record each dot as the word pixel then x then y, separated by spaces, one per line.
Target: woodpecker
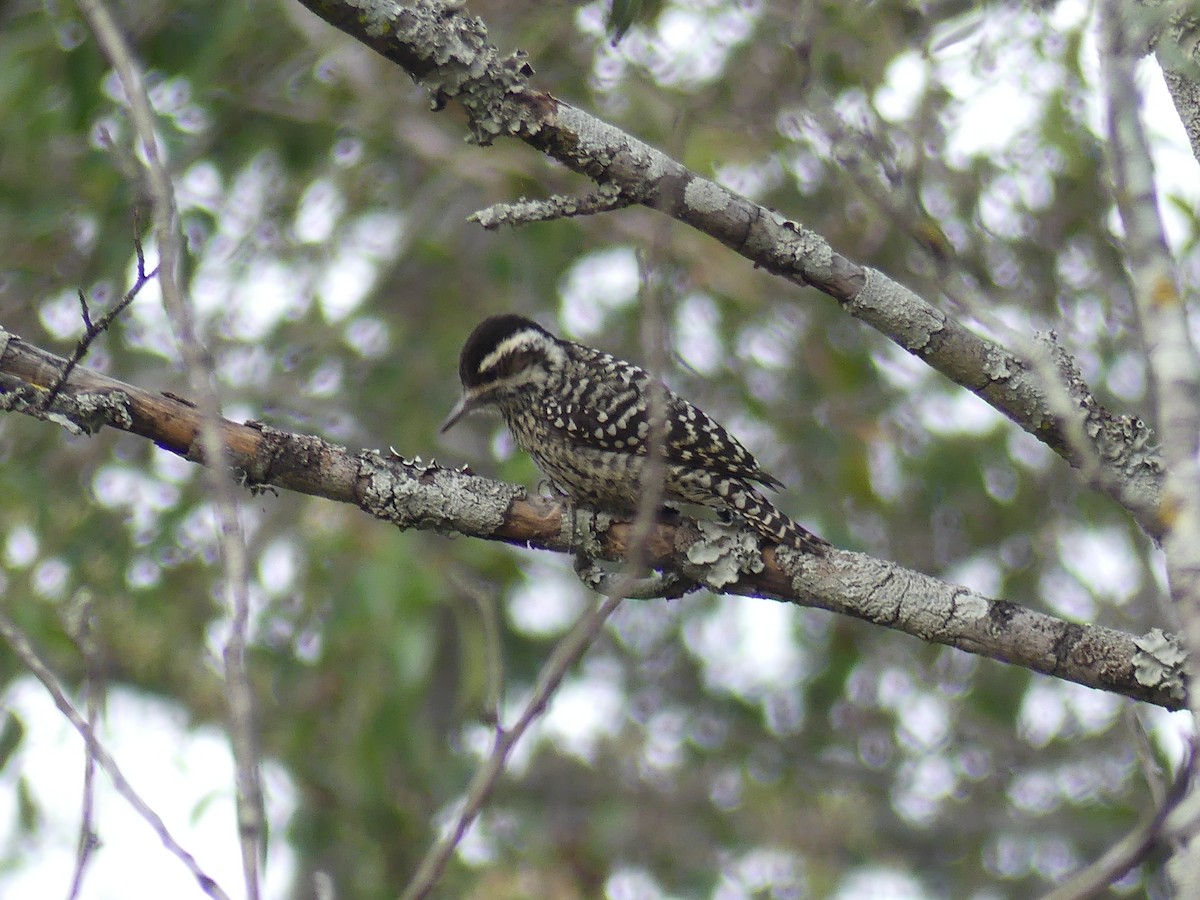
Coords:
pixel 584 417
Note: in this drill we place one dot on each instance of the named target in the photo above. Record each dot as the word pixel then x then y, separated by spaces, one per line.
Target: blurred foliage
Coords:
pixel 751 749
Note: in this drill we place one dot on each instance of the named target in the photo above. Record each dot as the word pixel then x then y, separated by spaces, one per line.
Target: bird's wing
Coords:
pixel 612 413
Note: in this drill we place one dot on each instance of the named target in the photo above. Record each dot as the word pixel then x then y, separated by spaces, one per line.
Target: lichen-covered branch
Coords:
pixel 412 494
pixel 1177 50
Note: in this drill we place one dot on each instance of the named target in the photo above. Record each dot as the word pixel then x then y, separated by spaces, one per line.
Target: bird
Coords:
pixel 585 416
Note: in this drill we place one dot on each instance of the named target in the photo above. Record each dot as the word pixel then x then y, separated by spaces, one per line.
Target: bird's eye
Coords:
pixel 506 367
pixel 514 363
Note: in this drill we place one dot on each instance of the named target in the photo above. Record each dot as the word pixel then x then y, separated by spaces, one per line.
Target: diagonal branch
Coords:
pixel 446 49
pixel 235 578
pixel 413 495
pixel 23 649
pixel 1131 849
pixel 568 651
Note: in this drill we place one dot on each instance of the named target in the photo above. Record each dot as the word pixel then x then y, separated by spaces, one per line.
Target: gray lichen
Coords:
pixel 723 554
pixel 459 63
pixel 415 495
pixel 80 414
pixel 1159 662
pixel 703 196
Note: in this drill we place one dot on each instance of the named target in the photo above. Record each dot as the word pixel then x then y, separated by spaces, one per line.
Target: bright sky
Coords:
pixel 185 773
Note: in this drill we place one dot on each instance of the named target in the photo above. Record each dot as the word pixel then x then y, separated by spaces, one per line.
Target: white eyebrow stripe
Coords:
pixel 510 344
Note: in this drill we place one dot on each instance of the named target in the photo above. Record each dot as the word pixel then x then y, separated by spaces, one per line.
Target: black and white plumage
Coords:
pixel 584 417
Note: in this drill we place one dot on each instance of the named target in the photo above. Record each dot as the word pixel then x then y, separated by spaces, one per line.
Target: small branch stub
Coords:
pixel 522 212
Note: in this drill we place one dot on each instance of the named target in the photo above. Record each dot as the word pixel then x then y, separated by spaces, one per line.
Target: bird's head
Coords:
pixel 503 357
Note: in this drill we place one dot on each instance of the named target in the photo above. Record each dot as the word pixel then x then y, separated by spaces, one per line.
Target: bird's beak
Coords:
pixel 465 404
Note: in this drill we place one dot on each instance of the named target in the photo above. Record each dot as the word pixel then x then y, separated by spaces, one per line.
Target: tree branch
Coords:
pixel 411 494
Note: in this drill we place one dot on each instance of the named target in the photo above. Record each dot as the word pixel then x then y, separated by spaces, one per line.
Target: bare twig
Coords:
pixel 22 647
pixel 566 653
pixel 1152 772
pixel 93 330
pixel 1131 849
pixel 485 603
pixel 80 627
pixel 231 539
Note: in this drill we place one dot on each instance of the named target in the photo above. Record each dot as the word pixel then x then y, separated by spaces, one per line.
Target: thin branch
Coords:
pixel 1132 849
pixel 485 603
pixel 80 626
pixel 93 330
pixel 24 651
pixel 231 538
pixel 566 653
pixel 606 198
pixel 1152 772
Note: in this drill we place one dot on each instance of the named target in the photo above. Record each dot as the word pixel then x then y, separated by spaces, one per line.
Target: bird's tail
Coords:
pixel 761 515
